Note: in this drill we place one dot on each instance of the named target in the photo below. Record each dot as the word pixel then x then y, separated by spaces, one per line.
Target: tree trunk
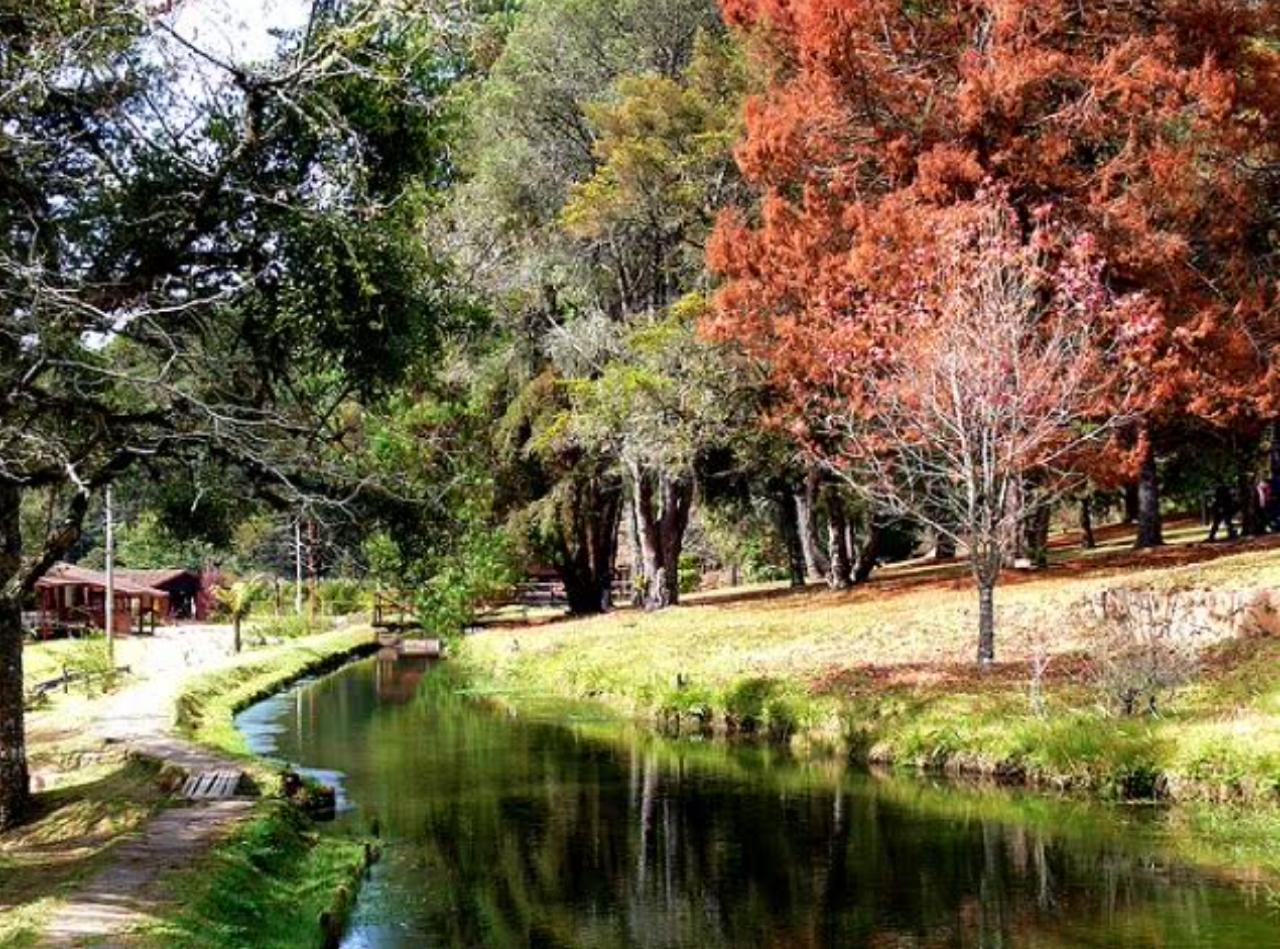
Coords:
pixel 1150 529
pixel 235 626
pixel 311 572
pixel 587 547
pixel 789 528
pixel 1131 503
pixel 662 505
pixel 1275 450
pixel 867 553
pixel 815 561
pixel 1035 529
pixel 840 567
pixel 1251 522
pixel 637 556
pixel 14 780
pixel 1087 540
pixel 986 621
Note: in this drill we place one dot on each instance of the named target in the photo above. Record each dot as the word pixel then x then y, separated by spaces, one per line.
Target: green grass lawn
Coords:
pixel 887 671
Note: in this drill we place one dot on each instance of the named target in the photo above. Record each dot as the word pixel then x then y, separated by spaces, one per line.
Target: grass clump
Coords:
pixel 266 886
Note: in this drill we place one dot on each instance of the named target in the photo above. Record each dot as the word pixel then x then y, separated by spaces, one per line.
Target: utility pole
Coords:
pixel 297 566
pixel 311 571
pixel 110 605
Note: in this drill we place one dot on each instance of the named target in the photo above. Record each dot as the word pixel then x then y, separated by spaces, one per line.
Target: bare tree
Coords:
pixel 1003 371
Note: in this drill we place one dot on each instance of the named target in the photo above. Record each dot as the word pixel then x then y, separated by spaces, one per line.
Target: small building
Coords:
pixel 189 591
pixel 72 599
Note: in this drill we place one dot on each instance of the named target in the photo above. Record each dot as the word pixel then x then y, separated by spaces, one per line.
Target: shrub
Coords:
pixel 765 705
pixel 1142 655
pixel 342 597
pixel 744 704
pixel 687 702
pixel 690 578
pixel 282 627
pixel 90 661
pixel 479 569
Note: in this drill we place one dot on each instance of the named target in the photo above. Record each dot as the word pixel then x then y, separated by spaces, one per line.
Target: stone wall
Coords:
pixel 1205 616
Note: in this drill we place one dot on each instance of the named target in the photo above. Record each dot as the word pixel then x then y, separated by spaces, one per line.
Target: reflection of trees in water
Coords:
pixel 523 834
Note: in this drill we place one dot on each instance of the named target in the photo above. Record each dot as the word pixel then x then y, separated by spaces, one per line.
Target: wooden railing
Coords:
pixel 394 609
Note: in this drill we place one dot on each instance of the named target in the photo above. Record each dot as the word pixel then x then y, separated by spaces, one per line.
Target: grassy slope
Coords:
pixel 69 838
pixel 265 886
pixel 887 671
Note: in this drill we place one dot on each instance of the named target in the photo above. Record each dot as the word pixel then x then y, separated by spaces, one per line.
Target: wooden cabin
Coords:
pixel 71 599
pixel 189 591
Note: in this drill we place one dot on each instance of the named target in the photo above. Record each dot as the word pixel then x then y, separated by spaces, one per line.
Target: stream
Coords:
pixel 561 826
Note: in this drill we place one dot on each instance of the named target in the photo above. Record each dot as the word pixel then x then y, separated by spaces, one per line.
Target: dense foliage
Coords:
pixel 443 296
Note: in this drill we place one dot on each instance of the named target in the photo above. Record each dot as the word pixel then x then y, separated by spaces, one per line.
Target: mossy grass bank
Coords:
pixel 886 674
pixel 208 703
pixel 275 882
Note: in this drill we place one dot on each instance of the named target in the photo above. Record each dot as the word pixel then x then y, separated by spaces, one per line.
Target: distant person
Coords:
pixel 1264 503
pixel 1223 509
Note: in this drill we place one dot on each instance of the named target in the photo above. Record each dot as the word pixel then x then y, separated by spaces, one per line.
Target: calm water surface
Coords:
pixel 561 828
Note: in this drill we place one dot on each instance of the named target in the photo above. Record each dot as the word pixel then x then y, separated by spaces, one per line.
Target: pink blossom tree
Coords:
pixel 1000 365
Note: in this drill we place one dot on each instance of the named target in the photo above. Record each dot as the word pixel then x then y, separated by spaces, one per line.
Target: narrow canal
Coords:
pixel 558 827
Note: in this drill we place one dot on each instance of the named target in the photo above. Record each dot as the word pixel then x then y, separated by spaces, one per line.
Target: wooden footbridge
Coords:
pixel 394 612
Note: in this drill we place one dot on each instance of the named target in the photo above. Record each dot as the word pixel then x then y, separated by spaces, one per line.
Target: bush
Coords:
pixel 1141 655
pixel 479 569
pixel 765 705
pixel 281 627
pixel 686 703
pixel 744 704
pixel 342 597
pixel 690 573
pixel 90 661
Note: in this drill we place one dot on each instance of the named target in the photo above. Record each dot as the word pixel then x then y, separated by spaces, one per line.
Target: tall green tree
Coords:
pixel 601 153
pixel 198 255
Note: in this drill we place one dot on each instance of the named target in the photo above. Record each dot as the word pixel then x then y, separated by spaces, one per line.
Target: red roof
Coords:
pixel 157 578
pixel 68 575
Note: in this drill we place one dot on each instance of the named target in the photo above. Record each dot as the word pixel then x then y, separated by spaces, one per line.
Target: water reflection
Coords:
pixel 517 831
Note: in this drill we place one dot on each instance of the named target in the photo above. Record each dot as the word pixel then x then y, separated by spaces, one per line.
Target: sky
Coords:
pixel 239 31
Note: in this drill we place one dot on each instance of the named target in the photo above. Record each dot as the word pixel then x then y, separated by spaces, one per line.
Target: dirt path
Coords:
pixel 122 897
pixel 139 721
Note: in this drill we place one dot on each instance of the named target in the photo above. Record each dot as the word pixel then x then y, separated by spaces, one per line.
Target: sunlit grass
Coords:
pixel 265 886
pixel 889 671
pixel 70 836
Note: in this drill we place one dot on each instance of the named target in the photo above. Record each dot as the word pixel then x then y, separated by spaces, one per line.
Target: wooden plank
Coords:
pixel 212 785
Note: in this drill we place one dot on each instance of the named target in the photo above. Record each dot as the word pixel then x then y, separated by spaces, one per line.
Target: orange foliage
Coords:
pixel 1152 126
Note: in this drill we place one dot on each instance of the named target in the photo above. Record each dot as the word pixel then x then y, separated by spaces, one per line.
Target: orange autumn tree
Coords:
pixel 1150 126
pixel 1001 369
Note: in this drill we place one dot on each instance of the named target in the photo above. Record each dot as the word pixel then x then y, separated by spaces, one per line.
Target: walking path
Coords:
pixel 139 721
